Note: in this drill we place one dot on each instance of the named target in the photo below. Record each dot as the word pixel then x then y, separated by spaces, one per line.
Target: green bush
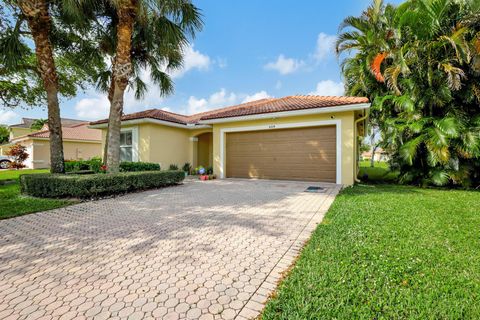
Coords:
pixel 173 167
pixel 95 164
pixel 83 165
pixel 138 166
pixel 95 185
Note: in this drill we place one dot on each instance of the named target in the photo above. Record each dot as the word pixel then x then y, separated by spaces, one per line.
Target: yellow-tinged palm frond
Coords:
pixel 391 75
pixel 458 43
pixel 454 75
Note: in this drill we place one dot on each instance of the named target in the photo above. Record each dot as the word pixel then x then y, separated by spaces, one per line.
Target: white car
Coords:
pixel 5 162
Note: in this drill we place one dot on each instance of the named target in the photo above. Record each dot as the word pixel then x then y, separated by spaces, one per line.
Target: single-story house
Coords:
pixel 292 138
pixel 79 142
pixel 21 129
pixel 379 155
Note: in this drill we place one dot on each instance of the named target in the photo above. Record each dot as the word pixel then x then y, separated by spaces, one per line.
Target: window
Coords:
pixel 126 150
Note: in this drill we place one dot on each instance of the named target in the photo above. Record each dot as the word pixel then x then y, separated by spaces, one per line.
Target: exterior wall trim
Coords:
pixel 283 114
pixel 338 127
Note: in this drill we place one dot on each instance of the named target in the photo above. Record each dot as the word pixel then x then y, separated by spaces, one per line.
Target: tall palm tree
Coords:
pixel 157 44
pixel 175 15
pixel 55 65
pixel 36 13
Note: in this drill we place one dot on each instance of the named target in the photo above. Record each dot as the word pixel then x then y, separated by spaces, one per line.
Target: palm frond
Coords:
pixel 409 149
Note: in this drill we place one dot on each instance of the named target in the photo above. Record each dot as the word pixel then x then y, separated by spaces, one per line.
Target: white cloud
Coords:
pixel 278 85
pixel 256 96
pixel 285 65
pixel 8 117
pixel 96 105
pixel 329 88
pixel 325 46
pixel 216 100
pixel 192 59
pixel 93 108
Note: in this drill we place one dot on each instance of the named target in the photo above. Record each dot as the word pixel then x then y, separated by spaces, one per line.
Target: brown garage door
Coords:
pixel 288 154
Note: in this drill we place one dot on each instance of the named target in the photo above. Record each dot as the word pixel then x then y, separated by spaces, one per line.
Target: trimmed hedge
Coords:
pixel 95 165
pixel 83 165
pixel 138 166
pixel 96 185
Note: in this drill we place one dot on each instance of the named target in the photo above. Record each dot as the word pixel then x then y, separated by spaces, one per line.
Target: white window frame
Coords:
pixel 336 122
pixel 134 131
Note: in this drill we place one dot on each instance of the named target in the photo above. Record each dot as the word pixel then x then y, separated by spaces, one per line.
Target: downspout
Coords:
pixel 357 167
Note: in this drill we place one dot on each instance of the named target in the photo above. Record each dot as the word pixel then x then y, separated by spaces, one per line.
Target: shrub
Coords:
pixel 18 154
pixel 138 166
pixel 173 167
pixel 93 164
pixel 95 185
pixel 187 167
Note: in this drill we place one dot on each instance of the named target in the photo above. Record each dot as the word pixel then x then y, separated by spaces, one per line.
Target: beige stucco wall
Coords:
pixel 71 150
pixel 18 131
pixel 170 145
pixel 164 145
pixel 347 125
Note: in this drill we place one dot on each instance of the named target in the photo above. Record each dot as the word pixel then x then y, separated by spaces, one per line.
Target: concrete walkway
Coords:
pixel 202 250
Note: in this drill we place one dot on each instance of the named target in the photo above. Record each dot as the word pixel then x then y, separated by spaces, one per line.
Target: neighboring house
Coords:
pixel 293 138
pixel 24 128
pixel 79 142
pixel 380 155
pixel 21 129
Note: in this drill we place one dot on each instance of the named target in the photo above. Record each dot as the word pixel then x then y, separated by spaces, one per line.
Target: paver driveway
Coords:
pixel 202 250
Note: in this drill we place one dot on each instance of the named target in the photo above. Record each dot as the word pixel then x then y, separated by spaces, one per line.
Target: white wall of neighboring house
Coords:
pixel 29 162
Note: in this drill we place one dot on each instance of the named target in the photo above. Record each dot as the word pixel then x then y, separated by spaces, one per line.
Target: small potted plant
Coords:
pixel 186 168
pixel 203 173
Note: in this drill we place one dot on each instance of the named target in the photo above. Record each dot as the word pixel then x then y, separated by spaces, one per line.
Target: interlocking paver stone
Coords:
pixel 202 250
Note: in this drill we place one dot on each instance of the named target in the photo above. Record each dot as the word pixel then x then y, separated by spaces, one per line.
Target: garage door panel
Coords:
pixel 292 154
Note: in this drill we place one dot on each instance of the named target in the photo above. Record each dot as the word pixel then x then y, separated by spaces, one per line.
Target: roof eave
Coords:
pixel 189 126
pixel 283 114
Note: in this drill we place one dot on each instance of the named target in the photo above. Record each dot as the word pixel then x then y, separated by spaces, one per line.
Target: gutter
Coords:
pixel 357 167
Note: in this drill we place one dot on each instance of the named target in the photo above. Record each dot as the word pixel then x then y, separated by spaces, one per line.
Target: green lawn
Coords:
pixel 13 204
pixel 388 252
pixel 380 173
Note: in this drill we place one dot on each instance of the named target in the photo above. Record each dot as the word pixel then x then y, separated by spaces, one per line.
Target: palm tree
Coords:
pixel 157 46
pixel 36 13
pixel 416 62
pixel 33 78
pixel 178 18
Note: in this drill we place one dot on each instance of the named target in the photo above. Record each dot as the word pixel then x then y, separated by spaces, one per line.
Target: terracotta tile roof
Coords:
pixel 77 132
pixel 269 105
pixel 291 103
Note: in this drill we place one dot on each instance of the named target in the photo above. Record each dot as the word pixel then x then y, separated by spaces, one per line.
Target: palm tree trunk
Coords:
pixel 110 97
pixel 372 160
pixel 39 22
pixel 122 69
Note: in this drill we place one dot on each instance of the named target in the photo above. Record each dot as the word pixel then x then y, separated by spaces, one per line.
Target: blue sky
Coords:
pixel 247 50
